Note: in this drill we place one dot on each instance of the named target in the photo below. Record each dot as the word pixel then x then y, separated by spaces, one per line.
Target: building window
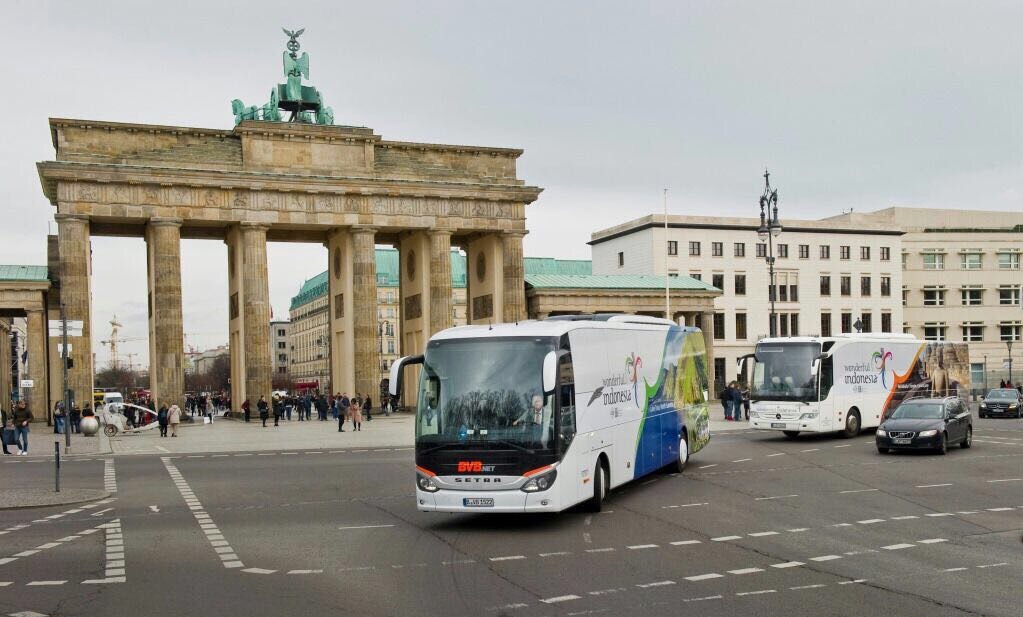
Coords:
pixel 740 284
pixel 905 296
pixel 865 253
pixel 673 274
pixel 694 249
pixel 934 331
pixel 973 296
pixel 740 326
pixel 761 249
pixel 845 283
pixel 719 326
pixel 934 261
pixel 282 345
pixel 825 285
pixel 783 325
pixel 804 251
pixel 934 296
pixel 740 249
pixel 846 323
pixel 783 293
pixel 717 249
pixel 865 285
pixel 1008 295
pixel 867 322
pixel 1008 260
pixel 972 261
pixel 280 332
pixel 886 253
pixel 844 252
pixel 905 259
pixel 1009 331
pixel 825 251
pixel 793 293
pixel 973 332
pixel 696 275
pixel 886 322
pixel 621 259
pixel 673 247
pixel 794 324
pixel 783 251
pixel 825 324
pixel 886 286
pixel 718 280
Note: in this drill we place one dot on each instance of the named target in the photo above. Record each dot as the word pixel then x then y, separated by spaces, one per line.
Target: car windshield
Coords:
pixel 920 411
pixel 1006 393
pixel 485 390
pixel 784 372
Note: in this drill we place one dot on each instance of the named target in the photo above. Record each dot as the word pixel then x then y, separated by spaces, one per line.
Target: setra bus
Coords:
pixel 847 382
pixel 538 416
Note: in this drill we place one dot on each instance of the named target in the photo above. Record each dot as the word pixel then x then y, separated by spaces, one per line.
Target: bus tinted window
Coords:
pixel 785 372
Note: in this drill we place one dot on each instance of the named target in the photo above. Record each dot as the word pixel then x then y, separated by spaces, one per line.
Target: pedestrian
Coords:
pixel 22 416
pixel 346 404
pixel 264 411
pixel 726 403
pixel 174 418
pixel 386 405
pixel 367 407
pixel 736 402
pixel 335 404
pixel 6 430
pixel 355 410
pixel 278 409
pixel 245 410
pixel 58 418
pixel 76 418
pixel 163 418
pixel 745 400
pixel 210 411
pixel 289 402
pixel 321 407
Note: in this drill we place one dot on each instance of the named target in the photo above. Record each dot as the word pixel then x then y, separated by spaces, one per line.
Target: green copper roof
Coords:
pixel 549 265
pixel 23 273
pixel 614 281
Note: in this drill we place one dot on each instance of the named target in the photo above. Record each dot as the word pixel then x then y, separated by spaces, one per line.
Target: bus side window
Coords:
pixel 566 402
pixel 827 375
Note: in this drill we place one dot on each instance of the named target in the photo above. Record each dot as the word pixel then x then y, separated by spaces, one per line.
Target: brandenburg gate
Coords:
pixel 300 179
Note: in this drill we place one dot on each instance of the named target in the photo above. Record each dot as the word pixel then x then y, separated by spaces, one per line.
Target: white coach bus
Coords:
pixel 541 415
pixel 848 382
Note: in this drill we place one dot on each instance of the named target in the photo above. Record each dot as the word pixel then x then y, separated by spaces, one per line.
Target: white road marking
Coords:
pixel 775 497
pixel 635 547
pixel 761 534
pixel 800 587
pixel 742 460
pixel 685 542
pixel 258 571
pixel 101 512
pixel 154 508
pixel 756 593
pixel 708 466
pixel 798 529
pixel 228 558
pixel 557 554
pixel 600 550
pixel 896 547
pixel 704 577
pixel 717 597
pixel 940 514
pixel 859 580
pixel 954 569
pixel 811 450
pixel 904 518
pixel 1007 480
pixel 845 445
pixel 746 571
pixel 870 521
pixel 861 490
pixel 109 476
pixel 40 583
pixel 787 564
pixel 932 485
pixel 365 527
pixel 508 558
pixel 657 584
pixel 305 571
pixel 993 565
pixel 999 509
pixel 932 541
pixel 725 538
pixel 557 599
pixel 776 454
pixel 826 558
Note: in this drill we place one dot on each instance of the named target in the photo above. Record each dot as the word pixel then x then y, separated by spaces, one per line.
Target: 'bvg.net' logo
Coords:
pixel 633 362
pixel 881 363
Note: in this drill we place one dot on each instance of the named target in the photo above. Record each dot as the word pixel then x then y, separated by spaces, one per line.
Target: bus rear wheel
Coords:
pixel 683 454
pixel 600 484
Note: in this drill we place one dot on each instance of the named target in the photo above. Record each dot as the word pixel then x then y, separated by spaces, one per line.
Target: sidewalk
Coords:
pixel 225 435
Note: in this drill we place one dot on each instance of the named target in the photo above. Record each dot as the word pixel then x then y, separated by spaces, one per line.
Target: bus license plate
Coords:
pixel 478 502
pixel 777 425
pixel 902 441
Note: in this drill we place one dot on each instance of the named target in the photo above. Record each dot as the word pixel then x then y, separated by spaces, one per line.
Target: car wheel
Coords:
pixel 110 430
pixel 943 448
pixel 600 484
pixel 968 439
pixel 882 450
pixel 982 416
pixel 683 455
pixel 852 424
pixel 791 434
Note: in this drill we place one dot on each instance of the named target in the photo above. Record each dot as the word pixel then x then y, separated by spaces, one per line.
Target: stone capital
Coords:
pixel 62 217
pixel 517 233
pixel 157 221
pixel 438 232
pixel 364 229
pixel 250 226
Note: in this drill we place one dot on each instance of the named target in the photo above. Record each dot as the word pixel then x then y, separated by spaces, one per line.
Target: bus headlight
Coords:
pixel 930 433
pixel 880 433
pixel 541 482
pixel 425 483
pixel 808 416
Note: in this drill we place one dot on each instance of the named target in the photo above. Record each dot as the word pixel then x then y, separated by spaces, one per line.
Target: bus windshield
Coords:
pixel 485 391
pixel 784 372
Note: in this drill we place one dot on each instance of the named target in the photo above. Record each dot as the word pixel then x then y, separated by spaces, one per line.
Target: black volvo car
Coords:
pixel 1004 402
pixel 927 424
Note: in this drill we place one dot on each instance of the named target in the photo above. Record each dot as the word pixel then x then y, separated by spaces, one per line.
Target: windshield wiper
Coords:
pixel 440 447
pixel 512 444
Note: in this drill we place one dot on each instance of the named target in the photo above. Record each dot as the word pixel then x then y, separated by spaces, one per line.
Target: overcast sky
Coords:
pixel 851 104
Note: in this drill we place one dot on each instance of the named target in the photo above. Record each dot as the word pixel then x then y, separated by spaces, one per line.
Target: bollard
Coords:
pixel 56 460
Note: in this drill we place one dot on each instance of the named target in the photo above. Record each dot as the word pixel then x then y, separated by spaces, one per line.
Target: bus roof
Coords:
pixel 859 336
pixel 557 326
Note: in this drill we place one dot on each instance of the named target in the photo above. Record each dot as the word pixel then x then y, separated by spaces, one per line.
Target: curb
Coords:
pixel 100 495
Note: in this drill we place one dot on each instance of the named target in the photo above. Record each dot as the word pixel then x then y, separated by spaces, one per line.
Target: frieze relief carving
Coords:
pixel 240 199
pixel 120 194
pixel 151 195
pixel 181 196
pixel 87 191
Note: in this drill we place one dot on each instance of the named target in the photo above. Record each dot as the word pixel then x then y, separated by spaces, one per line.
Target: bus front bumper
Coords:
pixel 803 426
pixel 509 501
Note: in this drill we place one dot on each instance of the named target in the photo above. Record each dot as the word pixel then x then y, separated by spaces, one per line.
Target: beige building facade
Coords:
pixel 828 275
pixel 280 342
pixel 344 187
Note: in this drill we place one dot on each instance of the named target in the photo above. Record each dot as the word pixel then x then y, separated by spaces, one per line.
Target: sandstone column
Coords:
pixel 440 281
pixel 36 345
pixel 514 277
pixel 76 295
pixel 166 331
pixel 5 358
pixel 256 314
pixel 340 307
pixel 707 325
pixel 364 311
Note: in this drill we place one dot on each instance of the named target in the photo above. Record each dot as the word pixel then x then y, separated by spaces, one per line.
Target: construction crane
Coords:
pixel 114 340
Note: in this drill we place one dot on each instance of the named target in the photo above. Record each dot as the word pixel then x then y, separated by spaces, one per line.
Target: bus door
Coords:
pixel 825 381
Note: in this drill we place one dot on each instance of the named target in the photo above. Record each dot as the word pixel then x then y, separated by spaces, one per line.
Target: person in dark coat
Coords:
pixel 163 417
pixel 264 409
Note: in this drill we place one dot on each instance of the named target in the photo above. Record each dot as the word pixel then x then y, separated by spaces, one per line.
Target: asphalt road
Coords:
pixel 757 524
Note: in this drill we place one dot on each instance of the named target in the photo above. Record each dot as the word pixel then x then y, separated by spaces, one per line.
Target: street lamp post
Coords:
pixel 769 230
pixel 1008 344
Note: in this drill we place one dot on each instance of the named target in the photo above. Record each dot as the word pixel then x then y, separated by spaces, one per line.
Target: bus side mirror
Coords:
pixel 815 366
pixel 394 384
pixel 550 371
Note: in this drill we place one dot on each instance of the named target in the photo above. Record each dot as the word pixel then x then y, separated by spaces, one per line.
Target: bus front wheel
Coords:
pixel 852 423
pixel 683 455
pixel 600 484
